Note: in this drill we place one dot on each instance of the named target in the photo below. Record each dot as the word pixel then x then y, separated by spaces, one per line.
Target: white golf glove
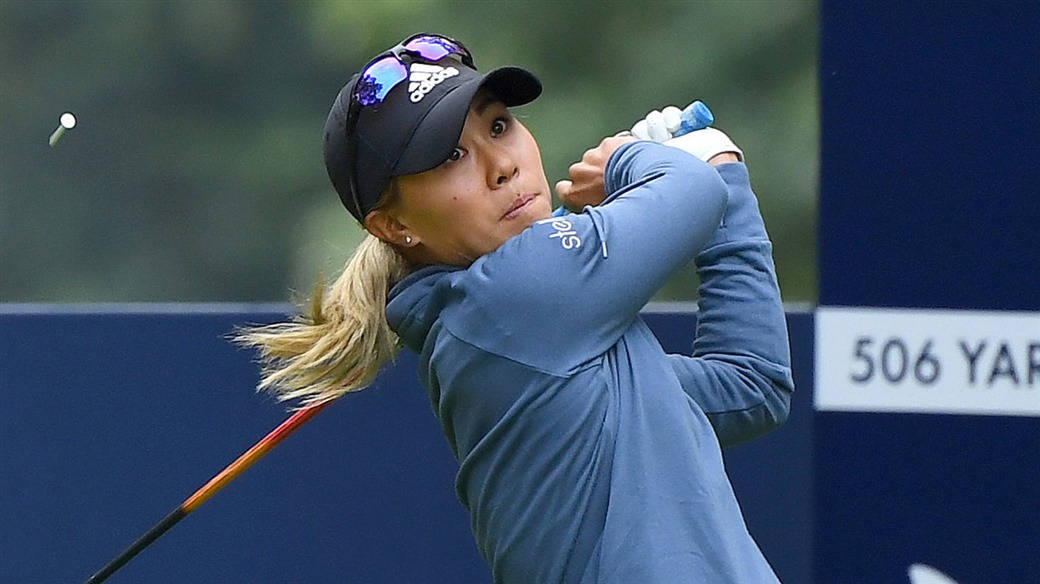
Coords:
pixel 705 144
pixel 660 126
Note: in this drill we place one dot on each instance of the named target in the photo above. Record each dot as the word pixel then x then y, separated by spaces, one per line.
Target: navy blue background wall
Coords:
pixel 109 420
pixel 930 163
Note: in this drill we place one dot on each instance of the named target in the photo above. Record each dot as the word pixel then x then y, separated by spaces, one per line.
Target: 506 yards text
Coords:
pixel 975 362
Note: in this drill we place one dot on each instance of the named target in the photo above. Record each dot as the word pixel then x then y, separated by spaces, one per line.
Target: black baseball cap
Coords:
pixel 414 129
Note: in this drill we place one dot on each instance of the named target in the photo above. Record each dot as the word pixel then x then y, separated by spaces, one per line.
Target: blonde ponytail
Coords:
pixel 343 341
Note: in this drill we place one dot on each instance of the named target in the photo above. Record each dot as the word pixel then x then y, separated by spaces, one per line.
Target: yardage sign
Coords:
pixel 927 361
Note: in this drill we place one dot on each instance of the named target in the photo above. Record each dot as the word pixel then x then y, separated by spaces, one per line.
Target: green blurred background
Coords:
pixel 195 172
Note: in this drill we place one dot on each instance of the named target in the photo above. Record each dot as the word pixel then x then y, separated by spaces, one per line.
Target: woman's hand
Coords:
pixel 585 186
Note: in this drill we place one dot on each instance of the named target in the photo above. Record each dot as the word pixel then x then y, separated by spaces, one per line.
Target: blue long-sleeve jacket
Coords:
pixel 588 455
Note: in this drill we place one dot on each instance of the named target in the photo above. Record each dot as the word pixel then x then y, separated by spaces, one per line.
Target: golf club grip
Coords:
pixel 135 548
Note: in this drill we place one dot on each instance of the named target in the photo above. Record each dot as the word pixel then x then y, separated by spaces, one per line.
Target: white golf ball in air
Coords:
pixel 66 122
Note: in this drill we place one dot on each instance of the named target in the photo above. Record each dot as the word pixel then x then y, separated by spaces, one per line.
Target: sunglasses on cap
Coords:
pixel 387 71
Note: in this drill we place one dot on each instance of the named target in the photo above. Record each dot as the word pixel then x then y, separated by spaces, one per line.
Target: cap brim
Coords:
pixel 438 133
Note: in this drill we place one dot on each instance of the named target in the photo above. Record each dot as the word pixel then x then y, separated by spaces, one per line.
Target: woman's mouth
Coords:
pixel 521 203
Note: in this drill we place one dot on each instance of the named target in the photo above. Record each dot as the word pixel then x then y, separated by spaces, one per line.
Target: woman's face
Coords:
pixel 491 188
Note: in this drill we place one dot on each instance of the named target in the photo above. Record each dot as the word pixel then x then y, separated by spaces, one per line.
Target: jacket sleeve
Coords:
pixel 566 289
pixel 663 207
pixel 740 370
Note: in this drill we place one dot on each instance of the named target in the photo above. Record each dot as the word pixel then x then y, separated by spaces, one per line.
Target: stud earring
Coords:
pixel 408 240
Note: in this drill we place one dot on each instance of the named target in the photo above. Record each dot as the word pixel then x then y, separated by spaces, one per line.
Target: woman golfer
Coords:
pixel 586 454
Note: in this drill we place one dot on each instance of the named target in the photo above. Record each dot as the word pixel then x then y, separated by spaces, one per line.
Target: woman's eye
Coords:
pixel 499 126
pixel 456 154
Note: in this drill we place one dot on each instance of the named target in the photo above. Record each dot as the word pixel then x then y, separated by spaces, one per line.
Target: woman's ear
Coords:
pixel 386 227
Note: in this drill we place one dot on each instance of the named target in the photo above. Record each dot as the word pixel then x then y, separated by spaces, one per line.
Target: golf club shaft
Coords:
pixel 209 489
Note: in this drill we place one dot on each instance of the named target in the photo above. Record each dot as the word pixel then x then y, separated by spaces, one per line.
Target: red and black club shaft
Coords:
pixel 209 489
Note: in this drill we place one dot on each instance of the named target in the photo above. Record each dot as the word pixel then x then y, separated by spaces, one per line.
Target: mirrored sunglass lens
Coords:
pixel 378 79
pixel 433 48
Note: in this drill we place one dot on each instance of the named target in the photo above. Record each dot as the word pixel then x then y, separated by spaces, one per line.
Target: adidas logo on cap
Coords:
pixel 423 78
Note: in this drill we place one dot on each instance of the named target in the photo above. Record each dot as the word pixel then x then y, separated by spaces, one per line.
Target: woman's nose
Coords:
pixel 503 168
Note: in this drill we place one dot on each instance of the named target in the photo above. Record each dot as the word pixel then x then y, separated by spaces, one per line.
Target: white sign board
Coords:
pixel 927 361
